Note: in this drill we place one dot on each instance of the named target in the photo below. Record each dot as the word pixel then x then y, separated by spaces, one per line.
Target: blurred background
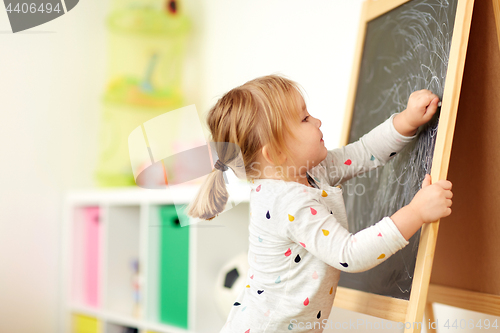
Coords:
pixel 68 83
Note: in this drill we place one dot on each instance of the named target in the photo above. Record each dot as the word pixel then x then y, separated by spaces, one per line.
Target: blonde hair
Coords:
pixel 257 113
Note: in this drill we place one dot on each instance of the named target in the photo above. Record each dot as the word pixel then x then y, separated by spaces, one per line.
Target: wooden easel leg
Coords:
pixel 429 314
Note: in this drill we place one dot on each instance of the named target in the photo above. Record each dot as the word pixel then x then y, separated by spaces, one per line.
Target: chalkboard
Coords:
pixel 405 49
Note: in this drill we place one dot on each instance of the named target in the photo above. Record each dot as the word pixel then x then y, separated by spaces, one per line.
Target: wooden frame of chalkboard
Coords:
pixel 386 307
pixel 496 12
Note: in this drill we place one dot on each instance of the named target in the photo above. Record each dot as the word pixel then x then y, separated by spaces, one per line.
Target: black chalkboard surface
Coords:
pixel 405 49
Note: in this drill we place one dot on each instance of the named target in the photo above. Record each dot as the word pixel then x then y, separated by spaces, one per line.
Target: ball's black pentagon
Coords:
pixel 231 278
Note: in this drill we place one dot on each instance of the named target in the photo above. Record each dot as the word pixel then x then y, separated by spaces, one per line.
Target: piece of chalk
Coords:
pixel 439 104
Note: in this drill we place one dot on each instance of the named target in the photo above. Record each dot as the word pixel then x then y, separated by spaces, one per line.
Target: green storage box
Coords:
pixel 174 269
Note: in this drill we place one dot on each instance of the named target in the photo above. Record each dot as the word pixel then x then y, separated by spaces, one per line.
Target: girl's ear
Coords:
pixel 267 157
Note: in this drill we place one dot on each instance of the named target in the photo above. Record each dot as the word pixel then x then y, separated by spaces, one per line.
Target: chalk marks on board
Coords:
pixel 405 50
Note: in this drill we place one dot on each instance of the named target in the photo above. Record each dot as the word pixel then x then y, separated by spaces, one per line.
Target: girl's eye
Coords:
pixel 305 119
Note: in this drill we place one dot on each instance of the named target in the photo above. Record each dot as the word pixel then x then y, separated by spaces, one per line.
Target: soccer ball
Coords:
pixel 230 282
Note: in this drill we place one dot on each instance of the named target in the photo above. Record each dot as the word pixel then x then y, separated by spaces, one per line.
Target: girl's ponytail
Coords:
pixel 212 197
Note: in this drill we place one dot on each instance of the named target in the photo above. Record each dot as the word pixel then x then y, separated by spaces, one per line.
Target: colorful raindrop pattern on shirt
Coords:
pixel 298 258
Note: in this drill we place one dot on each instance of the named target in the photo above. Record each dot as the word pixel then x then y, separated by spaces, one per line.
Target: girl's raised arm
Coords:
pixel 372 150
pixel 318 232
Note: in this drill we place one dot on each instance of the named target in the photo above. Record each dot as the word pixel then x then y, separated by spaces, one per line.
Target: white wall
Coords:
pixel 310 42
pixel 51 79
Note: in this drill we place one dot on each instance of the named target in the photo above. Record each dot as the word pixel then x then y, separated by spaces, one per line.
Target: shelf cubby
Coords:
pixel 129 264
pixel 122 254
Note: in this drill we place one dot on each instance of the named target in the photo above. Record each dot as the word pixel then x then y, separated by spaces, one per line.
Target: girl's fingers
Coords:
pixel 427 181
pixel 445 184
pixel 431 108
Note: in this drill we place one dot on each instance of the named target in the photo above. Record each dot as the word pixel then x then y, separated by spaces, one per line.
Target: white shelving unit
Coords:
pixel 129 225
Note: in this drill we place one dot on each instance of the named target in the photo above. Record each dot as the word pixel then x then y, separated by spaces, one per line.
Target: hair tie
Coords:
pixel 220 166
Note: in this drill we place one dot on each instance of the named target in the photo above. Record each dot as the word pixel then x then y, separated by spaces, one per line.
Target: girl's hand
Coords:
pixel 432 202
pixel 422 105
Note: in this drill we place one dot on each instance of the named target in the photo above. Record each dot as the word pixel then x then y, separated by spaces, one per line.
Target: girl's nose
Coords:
pixel 319 122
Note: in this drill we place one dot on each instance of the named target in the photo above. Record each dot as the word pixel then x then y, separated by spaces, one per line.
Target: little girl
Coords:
pixel 299 240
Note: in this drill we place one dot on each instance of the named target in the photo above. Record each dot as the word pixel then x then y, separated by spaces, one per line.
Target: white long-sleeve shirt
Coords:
pixel 299 240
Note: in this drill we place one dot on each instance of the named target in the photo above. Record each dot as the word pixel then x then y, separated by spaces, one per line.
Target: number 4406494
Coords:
pixel 32 8
pixel 470 324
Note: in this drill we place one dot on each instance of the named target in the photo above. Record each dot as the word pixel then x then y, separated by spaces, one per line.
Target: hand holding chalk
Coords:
pixel 422 105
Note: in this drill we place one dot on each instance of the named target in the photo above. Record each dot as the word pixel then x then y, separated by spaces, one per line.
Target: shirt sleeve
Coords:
pixel 372 150
pixel 323 236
